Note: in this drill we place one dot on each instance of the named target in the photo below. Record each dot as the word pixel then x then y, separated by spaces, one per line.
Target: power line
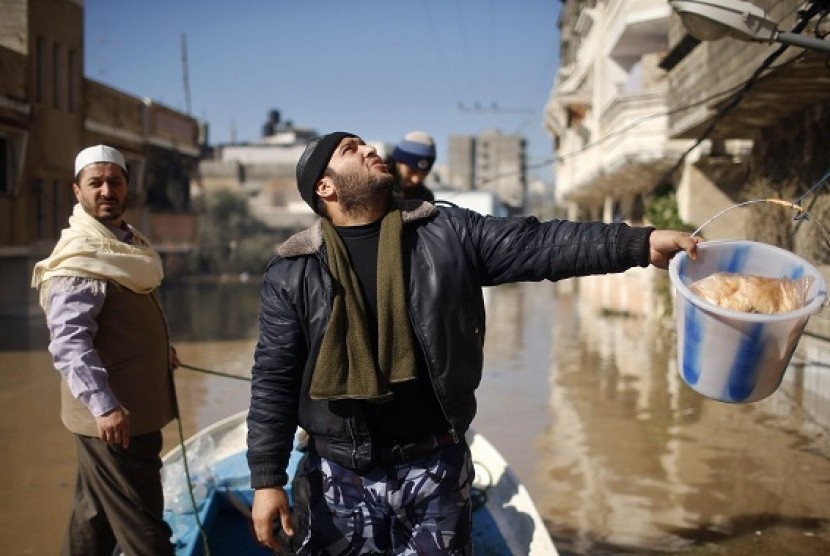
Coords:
pixel 493 108
pixel 739 91
pixel 465 47
pixel 804 19
pixel 436 40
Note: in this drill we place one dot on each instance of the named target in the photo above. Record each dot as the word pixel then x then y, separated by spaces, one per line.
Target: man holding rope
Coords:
pixel 109 341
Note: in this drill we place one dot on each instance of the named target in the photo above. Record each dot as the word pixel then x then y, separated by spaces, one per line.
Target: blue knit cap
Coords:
pixel 416 150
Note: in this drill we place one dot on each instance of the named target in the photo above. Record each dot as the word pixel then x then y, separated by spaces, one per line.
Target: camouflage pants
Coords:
pixel 420 507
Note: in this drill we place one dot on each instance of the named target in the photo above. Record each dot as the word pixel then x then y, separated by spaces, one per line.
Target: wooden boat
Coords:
pixel 505 521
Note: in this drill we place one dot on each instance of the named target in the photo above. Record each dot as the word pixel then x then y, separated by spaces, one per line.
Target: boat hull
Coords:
pixel 505 520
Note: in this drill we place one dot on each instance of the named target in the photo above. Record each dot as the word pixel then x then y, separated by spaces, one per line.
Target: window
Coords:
pixel 5 178
pixel 56 75
pixel 39 69
pixel 58 196
pixel 11 160
pixel 37 189
pixel 71 82
pixel 135 170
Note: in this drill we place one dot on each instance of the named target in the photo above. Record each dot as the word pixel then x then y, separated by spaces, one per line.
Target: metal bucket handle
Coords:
pixel 802 213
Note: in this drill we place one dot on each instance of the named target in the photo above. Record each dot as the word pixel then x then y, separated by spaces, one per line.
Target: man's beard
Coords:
pixel 357 194
pixel 109 215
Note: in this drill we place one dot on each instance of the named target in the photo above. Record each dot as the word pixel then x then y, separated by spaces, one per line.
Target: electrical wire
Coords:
pixel 604 138
pixel 635 123
pixel 804 19
pixel 739 91
pixel 465 47
pixel 442 52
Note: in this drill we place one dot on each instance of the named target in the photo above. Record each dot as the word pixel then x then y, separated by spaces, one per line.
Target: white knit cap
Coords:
pixel 98 153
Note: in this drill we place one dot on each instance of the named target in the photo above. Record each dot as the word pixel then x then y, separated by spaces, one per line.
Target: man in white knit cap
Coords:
pixel 109 342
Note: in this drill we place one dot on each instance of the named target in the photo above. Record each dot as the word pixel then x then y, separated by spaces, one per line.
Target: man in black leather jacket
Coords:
pixel 371 336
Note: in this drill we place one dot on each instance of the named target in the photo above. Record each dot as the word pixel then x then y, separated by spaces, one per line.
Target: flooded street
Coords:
pixel 586 404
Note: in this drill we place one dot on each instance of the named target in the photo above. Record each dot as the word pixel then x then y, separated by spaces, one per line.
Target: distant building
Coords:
pixel 490 161
pixel 608 110
pixel 49 111
pixel 634 92
pixel 265 172
pixel 461 162
pixel 500 166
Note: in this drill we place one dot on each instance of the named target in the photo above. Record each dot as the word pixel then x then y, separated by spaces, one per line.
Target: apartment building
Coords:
pixel 635 94
pixel 608 110
pixel 489 161
pixel 49 111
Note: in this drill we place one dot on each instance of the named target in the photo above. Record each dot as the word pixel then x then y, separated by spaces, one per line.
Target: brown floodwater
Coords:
pixel 584 402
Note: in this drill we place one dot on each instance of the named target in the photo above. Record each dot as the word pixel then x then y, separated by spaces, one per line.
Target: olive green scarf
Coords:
pixel 346 367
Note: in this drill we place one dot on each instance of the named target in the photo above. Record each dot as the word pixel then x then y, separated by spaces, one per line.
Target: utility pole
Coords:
pixel 185 75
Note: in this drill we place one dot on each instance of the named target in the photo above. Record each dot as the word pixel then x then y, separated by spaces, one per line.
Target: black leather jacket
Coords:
pixel 449 254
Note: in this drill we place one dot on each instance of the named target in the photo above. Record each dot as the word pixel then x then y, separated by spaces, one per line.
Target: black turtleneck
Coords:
pixel 413 412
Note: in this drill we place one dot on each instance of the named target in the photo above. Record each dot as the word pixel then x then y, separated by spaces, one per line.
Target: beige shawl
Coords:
pixel 88 249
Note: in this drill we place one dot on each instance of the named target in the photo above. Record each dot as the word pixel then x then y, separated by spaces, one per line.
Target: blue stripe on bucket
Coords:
pixel 692 344
pixel 744 372
pixel 681 270
pixel 797 272
pixel 736 261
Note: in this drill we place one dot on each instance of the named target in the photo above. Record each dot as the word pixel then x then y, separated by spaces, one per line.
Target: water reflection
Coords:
pixel 621 456
pixel 580 394
pixel 22 333
pixel 210 311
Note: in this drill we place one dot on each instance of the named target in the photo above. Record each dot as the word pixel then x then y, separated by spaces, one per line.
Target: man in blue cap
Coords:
pixel 410 162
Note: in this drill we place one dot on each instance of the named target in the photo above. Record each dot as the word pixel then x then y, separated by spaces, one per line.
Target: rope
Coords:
pixel 193 503
pixel 478 494
pixel 202 531
pixel 215 373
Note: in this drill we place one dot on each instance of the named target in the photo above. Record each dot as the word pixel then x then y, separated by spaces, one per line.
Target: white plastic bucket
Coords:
pixel 732 356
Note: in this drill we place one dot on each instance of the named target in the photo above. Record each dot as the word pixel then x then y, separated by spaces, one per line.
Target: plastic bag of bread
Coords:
pixel 753 294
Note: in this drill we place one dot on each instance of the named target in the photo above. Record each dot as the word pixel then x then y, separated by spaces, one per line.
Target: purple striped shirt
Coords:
pixel 73 308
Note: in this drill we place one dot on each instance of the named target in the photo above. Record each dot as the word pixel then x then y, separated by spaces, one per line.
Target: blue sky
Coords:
pixel 378 68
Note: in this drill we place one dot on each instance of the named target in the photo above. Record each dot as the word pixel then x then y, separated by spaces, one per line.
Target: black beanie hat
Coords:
pixel 313 163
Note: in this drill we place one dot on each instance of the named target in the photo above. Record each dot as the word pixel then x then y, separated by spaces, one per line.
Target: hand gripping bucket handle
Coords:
pixel 729 355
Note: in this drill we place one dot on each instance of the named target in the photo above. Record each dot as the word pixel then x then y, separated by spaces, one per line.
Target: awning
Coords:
pixel 775 97
pixel 630 178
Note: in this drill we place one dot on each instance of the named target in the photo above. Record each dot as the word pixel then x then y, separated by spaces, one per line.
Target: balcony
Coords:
pixel 632 152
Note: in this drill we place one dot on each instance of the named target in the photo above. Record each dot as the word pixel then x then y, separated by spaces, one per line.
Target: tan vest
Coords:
pixel 133 344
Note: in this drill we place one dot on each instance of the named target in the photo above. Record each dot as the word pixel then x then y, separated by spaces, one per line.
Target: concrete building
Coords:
pixel 461 162
pixel 48 112
pixel 634 93
pixel 607 112
pixel 640 108
pixel 489 161
pixel 265 172
pixel 781 120
pixel 500 167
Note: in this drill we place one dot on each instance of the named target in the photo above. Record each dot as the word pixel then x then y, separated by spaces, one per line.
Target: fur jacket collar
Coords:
pixel 310 240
